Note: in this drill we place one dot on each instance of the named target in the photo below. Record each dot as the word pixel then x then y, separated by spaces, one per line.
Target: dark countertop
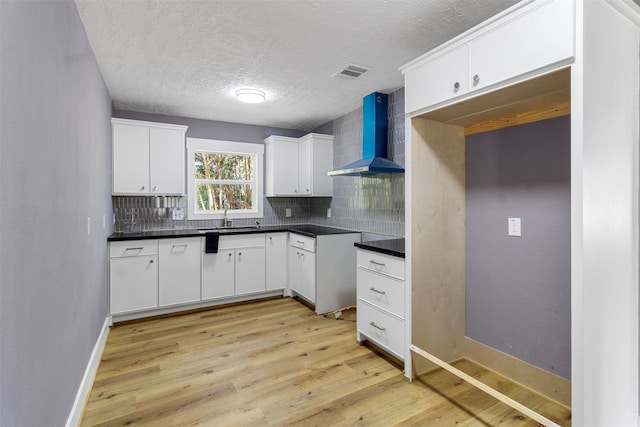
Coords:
pixel 393 247
pixel 305 229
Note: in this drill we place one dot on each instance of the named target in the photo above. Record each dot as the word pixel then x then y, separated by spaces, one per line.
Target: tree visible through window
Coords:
pixel 224 181
pixel 224 175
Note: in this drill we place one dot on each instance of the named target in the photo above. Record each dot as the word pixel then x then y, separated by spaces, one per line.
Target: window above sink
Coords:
pixel 224 179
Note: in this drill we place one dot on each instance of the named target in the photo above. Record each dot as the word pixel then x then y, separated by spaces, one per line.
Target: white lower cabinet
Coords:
pixel 179 270
pixel 133 272
pixel 321 269
pixel 276 261
pixel 250 270
pixel 381 300
pixel 302 273
pixel 218 274
pixel 237 269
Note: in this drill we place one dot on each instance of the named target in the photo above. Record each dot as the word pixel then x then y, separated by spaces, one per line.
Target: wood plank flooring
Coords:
pixel 275 363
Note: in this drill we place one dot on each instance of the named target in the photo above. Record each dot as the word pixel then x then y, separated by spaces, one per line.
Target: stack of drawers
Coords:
pixel 381 300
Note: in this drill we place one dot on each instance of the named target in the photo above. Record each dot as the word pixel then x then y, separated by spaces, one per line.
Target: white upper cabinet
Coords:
pixel 148 158
pixel 536 38
pixel 533 40
pixel 281 157
pixel 299 166
pixel 444 77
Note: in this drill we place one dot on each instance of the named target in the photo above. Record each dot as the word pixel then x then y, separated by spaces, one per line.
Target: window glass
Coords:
pixel 224 176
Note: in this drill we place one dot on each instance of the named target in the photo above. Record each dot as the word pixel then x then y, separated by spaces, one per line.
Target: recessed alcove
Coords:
pixel 439 239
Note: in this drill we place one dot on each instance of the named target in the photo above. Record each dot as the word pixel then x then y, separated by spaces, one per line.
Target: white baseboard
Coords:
pixel 89 376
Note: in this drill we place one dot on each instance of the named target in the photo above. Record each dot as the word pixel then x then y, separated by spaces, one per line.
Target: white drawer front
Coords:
pixel 380 263
pixel 302 242
pixel 381 291
pixel 382 328
pixel 241 241
pixel 131 248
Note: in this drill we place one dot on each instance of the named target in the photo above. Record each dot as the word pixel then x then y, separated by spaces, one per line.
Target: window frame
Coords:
pixel 227 147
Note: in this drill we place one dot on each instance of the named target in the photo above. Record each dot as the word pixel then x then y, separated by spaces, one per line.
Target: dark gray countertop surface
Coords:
pixel 305 229
pixel 393 247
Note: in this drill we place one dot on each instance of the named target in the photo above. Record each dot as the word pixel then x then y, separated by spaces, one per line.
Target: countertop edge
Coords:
pixel 383 250
pixel 174 234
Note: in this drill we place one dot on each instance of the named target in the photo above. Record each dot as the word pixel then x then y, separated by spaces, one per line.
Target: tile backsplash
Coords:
pixel 369 204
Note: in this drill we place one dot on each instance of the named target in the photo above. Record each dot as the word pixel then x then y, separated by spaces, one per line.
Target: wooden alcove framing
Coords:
pixel 438 222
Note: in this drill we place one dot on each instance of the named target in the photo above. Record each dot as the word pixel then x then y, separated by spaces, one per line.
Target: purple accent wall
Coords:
pixel 55 172
pixel 518 297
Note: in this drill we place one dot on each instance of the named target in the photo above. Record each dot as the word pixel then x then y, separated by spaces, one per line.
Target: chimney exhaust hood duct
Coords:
pixel 374 141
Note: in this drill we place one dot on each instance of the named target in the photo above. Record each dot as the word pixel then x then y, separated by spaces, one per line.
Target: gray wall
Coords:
pixel 55 168
pixel 519 288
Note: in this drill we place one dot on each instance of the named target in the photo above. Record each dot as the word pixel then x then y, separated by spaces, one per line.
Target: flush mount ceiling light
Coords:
pixel 250 96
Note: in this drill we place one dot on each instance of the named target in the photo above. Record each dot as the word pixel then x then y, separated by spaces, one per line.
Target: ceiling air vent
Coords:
pixel 351 71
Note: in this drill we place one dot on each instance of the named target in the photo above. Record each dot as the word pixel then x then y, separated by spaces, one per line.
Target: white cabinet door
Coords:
pixel 218 274
pixel 250 270
pixel 540 37
pixel 307 263
pixel 294 269
pixel 166 154
pixel 321 162
pixel 179 279
pixel 130 159
pixel 281 158
pixel 276 261
pixel 305 167
pixel 133 283
pixel 443 78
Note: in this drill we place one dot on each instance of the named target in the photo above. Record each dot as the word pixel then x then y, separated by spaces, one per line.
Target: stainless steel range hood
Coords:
pixel 374 141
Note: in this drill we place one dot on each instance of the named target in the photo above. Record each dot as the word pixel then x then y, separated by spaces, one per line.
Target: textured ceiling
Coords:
pixel 187 57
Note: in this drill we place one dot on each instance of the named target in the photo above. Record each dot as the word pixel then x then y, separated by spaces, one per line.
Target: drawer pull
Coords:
pixel 377 291
pixel 134 249
pixel 377 327
pixel 300 242
pixel 380 264
pixel 184 245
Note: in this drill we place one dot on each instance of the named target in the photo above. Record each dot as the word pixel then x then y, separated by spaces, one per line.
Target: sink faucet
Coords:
pixel 226 222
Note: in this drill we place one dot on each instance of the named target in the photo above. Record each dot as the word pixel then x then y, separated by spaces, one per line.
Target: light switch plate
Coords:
pixel 328 212
pixel 515 228
pixel 177 214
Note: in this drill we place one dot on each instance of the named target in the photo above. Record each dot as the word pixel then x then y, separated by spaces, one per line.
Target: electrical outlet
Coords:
pixel 328 212
pixel 287 212
pixel 177 214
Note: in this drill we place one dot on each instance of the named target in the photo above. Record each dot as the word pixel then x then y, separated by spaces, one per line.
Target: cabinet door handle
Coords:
pixel 230 254
pixel 456 86
pixel 380 264
pixel 380 328
pixel 476 80
pixel 239 253
pixel 142 188
pixel 150 261
pixel 270 238
pixel 155 188
pixel 377 291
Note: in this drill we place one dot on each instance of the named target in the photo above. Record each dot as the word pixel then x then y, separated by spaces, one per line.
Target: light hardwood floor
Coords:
pixel 275 363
